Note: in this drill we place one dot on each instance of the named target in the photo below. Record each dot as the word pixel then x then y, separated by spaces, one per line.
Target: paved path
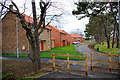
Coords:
pixel 82 49
pixel 85 50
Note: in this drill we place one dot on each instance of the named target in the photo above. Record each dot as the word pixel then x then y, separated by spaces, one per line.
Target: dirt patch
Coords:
pixel 22 69
pixel 91 46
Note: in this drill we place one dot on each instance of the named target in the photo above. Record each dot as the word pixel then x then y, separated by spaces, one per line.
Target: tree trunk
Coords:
pixel 38 51
pixel 35 56
pixel 113 42
pixel 108 44
pixel 106 34
pixel 117 46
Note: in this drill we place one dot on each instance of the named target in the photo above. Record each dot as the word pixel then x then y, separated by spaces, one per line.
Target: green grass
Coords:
pixel 62 50
pixel 58 50
pixel 103 48
pixel 14 55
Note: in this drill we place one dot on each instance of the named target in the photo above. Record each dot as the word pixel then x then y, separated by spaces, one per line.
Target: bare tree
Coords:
pixel 2 9
pixel 34 32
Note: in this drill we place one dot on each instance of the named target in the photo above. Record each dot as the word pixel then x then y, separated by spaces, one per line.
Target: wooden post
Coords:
pixel 86 64
pixel 109 61
pixel 53 61
pixel 91 60
pixel 68 63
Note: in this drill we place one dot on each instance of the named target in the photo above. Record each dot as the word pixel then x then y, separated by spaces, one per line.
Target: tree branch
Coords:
pixel 40 31
pixel 9 9
pixel 15 6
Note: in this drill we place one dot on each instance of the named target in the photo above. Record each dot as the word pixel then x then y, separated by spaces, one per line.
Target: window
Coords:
pixel 42 33
pixel 76 38
pixel 72 38
pixel 48 33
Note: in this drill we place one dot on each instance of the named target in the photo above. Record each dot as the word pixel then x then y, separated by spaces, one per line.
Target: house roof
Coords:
pixel 65 32
pixel 55 27
pixel 29 19
pixel 48 27
pixel 75 35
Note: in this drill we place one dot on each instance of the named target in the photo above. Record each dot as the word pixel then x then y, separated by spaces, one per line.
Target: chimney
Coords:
pixel 11 7
pixel 56 26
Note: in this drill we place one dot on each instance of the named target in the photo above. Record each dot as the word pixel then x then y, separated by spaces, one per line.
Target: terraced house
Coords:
pixel 77 38
pixel 14 36
pixel 68 38
pixel 58 36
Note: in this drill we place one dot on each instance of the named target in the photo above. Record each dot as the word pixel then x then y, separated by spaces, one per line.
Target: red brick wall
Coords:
pixel 9 44
pixel 47 41
pixel 56 35
pixel 62 35
pixel 69 39
pixel 79 39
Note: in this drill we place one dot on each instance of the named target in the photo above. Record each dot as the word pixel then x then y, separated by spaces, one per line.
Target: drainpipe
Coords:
pixel 17 36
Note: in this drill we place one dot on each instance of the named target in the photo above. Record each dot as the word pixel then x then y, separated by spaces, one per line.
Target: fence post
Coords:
pixel 86 64
pixel 109 61
pixel 68 63
pixel 91 60
pixel 53 61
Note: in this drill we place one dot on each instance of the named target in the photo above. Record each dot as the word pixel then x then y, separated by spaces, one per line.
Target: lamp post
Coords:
pixel 78 33
pixel 119 27
pixel 17 36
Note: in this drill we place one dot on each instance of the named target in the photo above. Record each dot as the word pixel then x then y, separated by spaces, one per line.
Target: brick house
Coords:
pixel 63 38
pixel 45 39
pixel 77 38
pixel 58 36
pixel 68 38
pixel 9 39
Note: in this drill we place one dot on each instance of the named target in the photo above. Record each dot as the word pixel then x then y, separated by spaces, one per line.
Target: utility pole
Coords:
pixel 119 28
pixel 17 36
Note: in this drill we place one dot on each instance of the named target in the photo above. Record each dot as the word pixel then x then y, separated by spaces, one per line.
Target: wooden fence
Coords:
pixel 68 68
pixel 108 61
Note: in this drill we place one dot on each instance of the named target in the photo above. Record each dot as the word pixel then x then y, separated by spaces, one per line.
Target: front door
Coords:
pixel 42 45
pixel 64 43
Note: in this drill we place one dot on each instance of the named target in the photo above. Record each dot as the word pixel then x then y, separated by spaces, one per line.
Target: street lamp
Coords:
pixel 78 33
pixel 17 36
pixel 119 28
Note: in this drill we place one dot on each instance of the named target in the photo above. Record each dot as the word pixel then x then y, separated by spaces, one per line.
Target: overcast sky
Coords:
pixel 67 21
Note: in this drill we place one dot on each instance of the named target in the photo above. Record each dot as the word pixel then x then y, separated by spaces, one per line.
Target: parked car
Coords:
pixel 76 43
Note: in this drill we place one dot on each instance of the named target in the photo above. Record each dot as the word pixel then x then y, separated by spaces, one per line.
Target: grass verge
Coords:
pixel 58 50
pixel 103 48
pixel 62 50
